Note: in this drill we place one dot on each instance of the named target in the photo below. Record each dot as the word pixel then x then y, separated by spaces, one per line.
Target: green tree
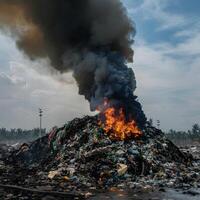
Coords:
pixel 196 129
pixel 151 122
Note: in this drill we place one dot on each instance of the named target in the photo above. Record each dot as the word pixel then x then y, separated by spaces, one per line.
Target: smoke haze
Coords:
pixel 92 38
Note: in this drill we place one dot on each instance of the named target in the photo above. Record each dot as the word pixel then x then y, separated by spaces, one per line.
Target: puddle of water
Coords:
pixel 168 195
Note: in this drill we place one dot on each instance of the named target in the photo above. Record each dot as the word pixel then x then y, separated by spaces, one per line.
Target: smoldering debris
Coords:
pixel 81 157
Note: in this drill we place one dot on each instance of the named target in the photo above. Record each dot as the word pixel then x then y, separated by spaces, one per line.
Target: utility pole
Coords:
pixel 158 124
pixel 40 115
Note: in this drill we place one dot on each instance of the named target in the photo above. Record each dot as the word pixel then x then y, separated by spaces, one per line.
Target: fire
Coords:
pixel 116 126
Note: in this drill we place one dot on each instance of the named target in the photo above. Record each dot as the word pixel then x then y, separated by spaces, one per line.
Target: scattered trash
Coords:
pixel 80 157
pixel 122 169
pixel 52 174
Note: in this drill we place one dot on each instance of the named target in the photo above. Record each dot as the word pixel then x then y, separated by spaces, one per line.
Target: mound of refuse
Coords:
pixel 80 156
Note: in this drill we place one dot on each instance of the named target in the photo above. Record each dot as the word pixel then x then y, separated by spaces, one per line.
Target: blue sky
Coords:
pixel 167 59
pixel 166 63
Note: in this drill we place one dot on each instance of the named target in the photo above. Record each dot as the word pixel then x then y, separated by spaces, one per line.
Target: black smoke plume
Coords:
pixel 92 38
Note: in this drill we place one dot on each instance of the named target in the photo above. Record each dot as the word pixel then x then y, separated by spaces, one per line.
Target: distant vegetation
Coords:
pixel 178 137
pixel 185 137
pixel 182 137
pixel 20 135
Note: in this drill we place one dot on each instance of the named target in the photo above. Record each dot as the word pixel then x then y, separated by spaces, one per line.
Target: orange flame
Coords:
pixel 117 127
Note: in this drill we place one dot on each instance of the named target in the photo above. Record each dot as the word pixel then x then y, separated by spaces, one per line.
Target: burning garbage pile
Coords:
pixel 81 156
pixel 117 148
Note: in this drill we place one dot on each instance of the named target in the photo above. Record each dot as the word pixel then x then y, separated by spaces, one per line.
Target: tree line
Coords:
pixel 192 135
pixel 20 134
pixel 176 136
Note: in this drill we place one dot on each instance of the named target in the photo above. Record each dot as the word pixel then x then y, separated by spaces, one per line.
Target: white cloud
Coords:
pixel 168 86
pixel 24 90
pixel 156 10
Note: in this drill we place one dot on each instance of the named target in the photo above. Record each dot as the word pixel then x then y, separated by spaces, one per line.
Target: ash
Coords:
pixel 80 157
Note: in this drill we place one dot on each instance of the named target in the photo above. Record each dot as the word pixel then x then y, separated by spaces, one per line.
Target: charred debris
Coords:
pixel 80 158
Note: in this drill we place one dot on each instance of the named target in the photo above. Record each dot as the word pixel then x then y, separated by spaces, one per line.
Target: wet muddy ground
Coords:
pixel 168 194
